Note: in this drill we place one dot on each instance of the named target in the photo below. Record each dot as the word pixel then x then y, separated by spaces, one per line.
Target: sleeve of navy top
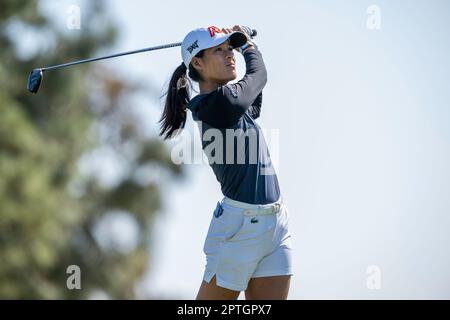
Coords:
pixel 255 108
pixel 224 106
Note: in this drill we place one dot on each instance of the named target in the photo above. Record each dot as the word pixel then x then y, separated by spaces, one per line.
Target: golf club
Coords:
pixel 35 77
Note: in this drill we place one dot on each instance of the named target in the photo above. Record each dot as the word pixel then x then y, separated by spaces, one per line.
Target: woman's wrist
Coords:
pixel 248 45
pixel 248 48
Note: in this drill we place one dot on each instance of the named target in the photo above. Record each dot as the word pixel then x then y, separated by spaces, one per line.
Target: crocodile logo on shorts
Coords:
pixel 254 220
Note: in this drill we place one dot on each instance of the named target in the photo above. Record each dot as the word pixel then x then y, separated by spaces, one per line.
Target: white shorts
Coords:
pixel 247 241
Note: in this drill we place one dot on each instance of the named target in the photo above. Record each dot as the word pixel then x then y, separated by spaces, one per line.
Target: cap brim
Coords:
pixel 237 39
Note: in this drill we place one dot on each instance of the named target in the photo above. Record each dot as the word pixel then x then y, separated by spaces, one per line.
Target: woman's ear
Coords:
pixel 197 64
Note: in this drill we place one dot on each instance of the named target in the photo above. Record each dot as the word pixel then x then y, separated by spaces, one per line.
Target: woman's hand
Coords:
pixel 238 28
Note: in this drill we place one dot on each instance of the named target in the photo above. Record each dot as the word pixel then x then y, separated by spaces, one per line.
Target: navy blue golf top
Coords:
pixel 232 140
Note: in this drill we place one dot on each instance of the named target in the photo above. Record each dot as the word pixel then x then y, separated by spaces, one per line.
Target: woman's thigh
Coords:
pixel 268 288
pixel 210 291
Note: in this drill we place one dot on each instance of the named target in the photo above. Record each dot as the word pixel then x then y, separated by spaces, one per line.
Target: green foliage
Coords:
pixel 48 209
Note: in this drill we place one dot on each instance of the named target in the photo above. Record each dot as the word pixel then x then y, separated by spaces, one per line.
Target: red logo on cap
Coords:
pixel 213 30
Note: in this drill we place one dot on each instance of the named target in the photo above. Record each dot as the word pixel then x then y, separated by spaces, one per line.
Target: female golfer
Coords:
pixel 248 245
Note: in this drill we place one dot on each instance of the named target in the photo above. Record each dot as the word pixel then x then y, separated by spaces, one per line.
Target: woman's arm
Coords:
pixel 224 106
pixel 255 108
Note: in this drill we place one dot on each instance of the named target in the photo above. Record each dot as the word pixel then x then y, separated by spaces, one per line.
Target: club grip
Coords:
pixel 251 32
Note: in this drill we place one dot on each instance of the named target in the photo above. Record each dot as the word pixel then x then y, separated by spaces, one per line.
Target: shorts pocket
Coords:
pixel 225 223
pixel 255 227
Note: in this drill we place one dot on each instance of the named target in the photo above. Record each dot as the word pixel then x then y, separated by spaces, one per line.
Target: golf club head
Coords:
pixel 34 80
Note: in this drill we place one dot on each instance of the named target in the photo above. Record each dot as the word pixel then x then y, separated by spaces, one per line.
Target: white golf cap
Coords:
pixel 204 38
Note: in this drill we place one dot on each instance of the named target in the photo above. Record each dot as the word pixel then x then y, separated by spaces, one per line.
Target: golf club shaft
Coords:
pixel 112 56
pixel 36 75
pixel 170 45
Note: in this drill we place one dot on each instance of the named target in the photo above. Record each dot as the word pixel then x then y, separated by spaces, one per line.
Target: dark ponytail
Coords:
pixel 178 97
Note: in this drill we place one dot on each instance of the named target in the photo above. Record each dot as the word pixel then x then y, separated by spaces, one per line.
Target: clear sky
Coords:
pixel 364 140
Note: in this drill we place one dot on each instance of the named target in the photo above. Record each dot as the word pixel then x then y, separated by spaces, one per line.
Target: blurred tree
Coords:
pixel 51 214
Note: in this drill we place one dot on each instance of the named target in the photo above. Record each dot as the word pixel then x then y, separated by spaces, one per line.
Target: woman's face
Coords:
pixel 218 64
